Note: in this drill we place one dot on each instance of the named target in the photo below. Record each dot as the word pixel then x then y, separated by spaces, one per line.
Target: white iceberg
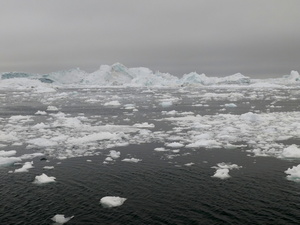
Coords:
pixel 112 201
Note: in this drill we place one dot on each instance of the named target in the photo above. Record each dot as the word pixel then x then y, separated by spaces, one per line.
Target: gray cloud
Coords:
pixel 217 37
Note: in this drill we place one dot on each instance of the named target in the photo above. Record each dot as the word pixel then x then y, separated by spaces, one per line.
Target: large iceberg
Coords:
pixel 119 75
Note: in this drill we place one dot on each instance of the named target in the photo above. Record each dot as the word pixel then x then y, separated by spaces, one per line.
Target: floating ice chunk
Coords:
pixel 7 137
pixel 114 154
pixel 42 142
pixel 31 156
pixel 92 138
pixel 228 166
pixel 40 126
pixel 108 159
pixel 61 219
pixel 230 105
pixel 204 143
pixel 5 161
pixel 166 103
pixel 52 108
pixel 112 201
pixel 175 145
pixel 40 112
pixel 48 167
pixel 294 173
pixel 222 173
pixel 291 152
pixel 43 89
pixel 134 160
pixel 250 117
pixel 222 170
pixel 144 125
pixel 42 179
pixel 161 149
pixel 112 103
pixel 25 167
pixel 7 153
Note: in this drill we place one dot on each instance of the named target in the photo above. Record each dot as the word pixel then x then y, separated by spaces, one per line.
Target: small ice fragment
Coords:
pixel 61 219
pixel 134 160
pixel 52 108
pixel 42 179
pixel 109 159
pixel 161 149
pixel 175 145
pixel 291 152
pixel 144 125
pixel 230 105
pixel 222 173
pixel 7 153
pixel 294 173
pixel 112 103
pixel 114 154
pixel 48 167
pixel 25 167
pixel 112 201
pixel 40 112
pixel 166 103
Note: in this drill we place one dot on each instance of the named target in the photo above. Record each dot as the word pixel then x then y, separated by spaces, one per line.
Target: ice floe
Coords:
pixel 293 173
pixel 222 170
pixel 291 151
pixel 43 179
pixel 112 201
pixel 25 167
pixel 61 219
pixel 133 160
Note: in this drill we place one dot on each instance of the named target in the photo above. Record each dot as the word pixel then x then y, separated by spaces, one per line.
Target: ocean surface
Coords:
pixel 175 186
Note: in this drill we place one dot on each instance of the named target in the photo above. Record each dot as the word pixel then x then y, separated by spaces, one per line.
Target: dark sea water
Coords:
pixel 159 189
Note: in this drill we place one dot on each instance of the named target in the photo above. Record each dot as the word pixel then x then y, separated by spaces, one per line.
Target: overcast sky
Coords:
pixel 217 37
